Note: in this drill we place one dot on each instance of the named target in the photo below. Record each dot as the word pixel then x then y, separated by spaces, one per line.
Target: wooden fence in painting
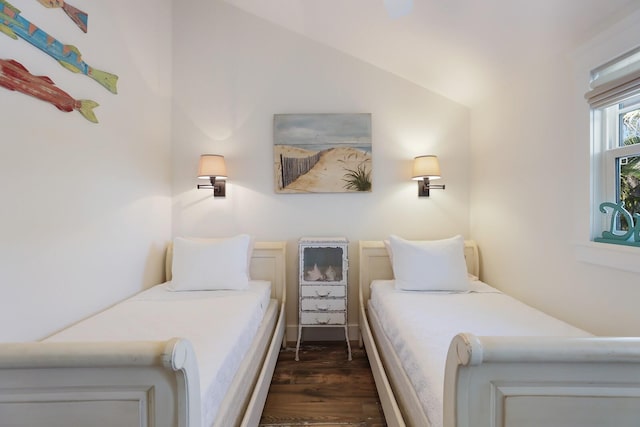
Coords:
pixel 293 167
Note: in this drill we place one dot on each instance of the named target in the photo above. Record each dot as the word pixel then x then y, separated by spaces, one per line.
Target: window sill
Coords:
pixel 609 255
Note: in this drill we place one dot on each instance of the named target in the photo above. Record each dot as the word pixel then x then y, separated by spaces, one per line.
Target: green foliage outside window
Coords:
pixel 630 166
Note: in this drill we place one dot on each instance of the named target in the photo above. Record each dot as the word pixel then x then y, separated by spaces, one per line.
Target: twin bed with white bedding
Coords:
pixel 469 355
pixel 189 352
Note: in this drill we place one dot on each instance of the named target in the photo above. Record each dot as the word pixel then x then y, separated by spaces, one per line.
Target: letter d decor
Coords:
pixel 631 237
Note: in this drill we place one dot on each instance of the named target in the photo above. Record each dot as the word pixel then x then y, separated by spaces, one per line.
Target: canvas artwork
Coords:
pixel 322 153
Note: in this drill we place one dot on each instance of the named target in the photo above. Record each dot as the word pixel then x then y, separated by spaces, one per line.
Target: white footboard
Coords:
pixel 99 384
pixel 526 381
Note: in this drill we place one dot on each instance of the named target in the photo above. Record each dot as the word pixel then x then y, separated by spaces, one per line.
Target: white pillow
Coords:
pixel 200 264
pixel 218 239
pixel 429 265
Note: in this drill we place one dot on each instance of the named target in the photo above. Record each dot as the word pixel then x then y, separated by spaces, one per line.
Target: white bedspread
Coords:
pixel 219 324
pixel 421 325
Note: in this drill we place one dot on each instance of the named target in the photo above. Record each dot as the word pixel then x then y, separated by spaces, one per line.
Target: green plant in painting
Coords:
pixel 358 179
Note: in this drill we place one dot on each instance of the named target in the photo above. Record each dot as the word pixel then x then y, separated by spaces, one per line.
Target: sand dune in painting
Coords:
pixel 327 176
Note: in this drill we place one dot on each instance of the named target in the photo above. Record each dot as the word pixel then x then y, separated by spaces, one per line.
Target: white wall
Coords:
pixel 232 72
pixel 531 189
pixel 85 207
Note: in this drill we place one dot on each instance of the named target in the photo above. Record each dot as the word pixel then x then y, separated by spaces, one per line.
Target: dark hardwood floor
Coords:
pixel 322 389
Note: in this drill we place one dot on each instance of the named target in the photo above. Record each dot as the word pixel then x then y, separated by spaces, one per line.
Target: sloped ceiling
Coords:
pixel 457 48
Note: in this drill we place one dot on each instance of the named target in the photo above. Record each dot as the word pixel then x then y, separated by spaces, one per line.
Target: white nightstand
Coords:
pixel 322 281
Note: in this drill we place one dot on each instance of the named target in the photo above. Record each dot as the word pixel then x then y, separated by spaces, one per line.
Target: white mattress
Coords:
pixel 421 325
pixel 219 324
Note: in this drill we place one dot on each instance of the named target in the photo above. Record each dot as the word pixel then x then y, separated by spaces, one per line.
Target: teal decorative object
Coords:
pixel 631 237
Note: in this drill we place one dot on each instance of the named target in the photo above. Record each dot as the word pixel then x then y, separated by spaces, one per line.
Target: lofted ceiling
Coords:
pixel 457 48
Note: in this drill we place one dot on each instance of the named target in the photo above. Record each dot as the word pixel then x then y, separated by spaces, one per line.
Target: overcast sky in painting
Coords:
pixel 307 129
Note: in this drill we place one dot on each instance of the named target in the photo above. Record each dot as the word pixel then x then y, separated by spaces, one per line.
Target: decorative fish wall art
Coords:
pixel 14 76
pixel 14 25
pixel 79 17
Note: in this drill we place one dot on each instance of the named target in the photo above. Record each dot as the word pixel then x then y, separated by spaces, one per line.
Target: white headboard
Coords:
pixel 375 263
pixel 267 263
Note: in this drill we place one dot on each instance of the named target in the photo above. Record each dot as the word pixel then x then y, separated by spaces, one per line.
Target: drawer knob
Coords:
pixel 322 322
pixel 324 294
pixel 322 308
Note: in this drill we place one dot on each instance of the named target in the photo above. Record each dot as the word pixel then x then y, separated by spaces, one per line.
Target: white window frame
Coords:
pixel 619 257
pixel 612 83
pixel 607 173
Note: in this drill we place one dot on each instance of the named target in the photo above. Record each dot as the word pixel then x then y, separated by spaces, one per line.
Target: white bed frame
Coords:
pixel 506 381
pixel 146 384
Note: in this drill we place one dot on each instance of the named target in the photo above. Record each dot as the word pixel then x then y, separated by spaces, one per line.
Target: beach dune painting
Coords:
pixel 322 153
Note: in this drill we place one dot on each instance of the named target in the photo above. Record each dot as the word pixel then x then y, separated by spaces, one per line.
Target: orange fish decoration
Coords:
pixel 79 17
pixel 14 76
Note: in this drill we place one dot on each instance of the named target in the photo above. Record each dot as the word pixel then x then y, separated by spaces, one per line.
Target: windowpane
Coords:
pixel 629 186
pixel 629 123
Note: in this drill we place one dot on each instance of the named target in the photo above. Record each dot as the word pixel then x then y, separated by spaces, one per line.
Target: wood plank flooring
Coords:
pixel 322 389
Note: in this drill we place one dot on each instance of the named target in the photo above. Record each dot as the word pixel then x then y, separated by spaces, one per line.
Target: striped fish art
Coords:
pixel 14 25
pixel 80 18
pixel 14 76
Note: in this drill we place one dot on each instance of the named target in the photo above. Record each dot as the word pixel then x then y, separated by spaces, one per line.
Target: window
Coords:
pixel 615 103
pixel 622 157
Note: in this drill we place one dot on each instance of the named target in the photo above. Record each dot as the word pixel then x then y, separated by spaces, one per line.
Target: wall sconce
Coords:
pixel 426 168
pixel 213 168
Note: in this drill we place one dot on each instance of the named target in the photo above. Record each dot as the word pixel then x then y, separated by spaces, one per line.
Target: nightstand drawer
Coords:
pixel 319 291
pixel 310 318
pixel 323 304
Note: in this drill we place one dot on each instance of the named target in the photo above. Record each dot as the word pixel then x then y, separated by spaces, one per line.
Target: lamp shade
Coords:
pixel 426 167
pixel 212 165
